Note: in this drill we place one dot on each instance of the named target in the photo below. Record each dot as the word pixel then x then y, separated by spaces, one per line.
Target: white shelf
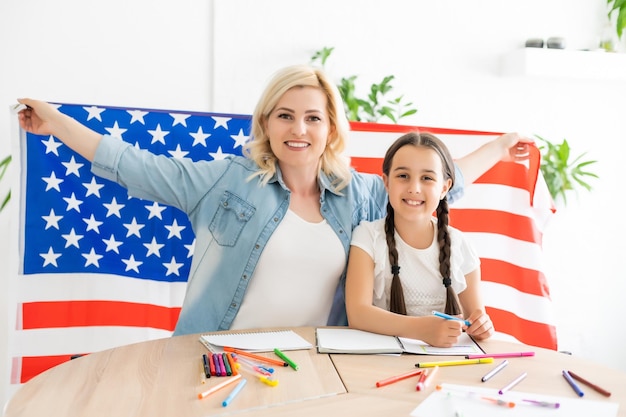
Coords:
pixel 564 63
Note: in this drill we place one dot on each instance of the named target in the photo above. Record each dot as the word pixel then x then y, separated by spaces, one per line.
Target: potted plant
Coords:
pixel 619 7
pixel 561 172
pixel 4 165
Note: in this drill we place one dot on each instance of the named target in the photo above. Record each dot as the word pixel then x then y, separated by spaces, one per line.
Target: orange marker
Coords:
pixel 257 357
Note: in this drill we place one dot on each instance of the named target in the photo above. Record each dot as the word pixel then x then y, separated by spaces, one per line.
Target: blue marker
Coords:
pixel 234 392
pixel 449 317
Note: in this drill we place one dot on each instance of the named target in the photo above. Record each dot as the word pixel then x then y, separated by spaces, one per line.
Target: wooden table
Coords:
pixel 163 378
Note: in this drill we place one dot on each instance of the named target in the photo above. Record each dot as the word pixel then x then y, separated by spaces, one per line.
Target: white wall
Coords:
pixel 217 55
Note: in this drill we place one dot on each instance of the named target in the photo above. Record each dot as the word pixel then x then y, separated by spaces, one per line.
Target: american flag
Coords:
pixel 99 269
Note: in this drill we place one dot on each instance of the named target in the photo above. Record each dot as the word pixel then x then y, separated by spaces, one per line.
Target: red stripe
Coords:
pixel 367 165
pixel 34 365
pixel 524 280
pixel 526 331
pixel 393 128
pixel 53 314
pixel 495 221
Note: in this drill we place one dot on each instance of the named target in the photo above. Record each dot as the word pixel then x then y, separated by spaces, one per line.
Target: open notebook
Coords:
pixel 263 341
pixel 345 340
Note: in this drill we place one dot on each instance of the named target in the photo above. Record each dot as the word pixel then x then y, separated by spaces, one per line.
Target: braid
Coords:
pixel 396 304
pixel 443 237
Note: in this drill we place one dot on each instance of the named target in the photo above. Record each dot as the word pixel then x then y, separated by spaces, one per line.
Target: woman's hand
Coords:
pixel 38 117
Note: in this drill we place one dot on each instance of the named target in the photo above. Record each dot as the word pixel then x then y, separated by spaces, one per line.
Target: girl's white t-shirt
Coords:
pixel 419 268
pixel 296 277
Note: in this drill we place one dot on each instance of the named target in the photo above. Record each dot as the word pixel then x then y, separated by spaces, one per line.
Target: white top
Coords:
pixel 419 268
pixel 283 299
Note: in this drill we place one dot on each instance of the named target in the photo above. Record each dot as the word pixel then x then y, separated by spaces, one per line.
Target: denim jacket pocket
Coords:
pixel 230 218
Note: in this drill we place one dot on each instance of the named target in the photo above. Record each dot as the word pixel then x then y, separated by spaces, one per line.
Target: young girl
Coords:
pixel 409 264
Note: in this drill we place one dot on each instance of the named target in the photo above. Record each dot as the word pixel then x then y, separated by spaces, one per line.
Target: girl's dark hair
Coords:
pixel 426 140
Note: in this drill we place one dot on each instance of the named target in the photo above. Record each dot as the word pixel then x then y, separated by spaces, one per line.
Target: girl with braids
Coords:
pixel 406 265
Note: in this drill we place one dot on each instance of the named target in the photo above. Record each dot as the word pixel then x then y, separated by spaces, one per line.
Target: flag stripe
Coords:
pixel 38 315
pixel 529 281
pixel 494 221
pixel 528 332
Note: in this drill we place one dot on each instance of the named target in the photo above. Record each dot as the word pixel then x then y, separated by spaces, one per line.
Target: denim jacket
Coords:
pixel 233 218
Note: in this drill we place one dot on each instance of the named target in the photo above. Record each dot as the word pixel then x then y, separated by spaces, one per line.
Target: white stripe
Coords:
pixel 514 251
pixel 73 287
pixel 508 199
pixel 527 306
pixel 70 340
pixel 375 144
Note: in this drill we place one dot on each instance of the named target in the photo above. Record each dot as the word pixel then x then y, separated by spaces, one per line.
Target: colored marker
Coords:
pixel 256 357
pixel 224 359
pixel 547 404
pixel 205 363
pixel 572 384
pixel 285 358
pixel 500 355
pixel 513 383
pixel 397 378
pixel 426 382
pixel 420 381
pixel 219 386
pixel 453 363
pixel 594 386
pixel 494 371
pixel 449 317
pixel 234 392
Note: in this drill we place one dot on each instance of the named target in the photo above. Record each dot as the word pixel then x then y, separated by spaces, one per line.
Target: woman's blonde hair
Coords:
pixel 332 162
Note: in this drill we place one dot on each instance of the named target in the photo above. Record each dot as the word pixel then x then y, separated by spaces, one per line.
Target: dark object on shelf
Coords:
pixel 534 43
pixel 556 42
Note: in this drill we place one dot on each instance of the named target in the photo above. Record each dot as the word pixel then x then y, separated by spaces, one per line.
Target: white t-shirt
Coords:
pixel 276 296
pixel 419 268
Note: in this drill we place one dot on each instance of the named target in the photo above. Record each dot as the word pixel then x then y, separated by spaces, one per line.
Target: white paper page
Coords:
pixel 259 341
pixel 465 346
pixel 469 401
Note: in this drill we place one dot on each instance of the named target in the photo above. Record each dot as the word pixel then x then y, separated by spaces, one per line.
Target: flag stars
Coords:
pixel 199 138
pixel 92 258
pixel 221 122
pixel 175 230
pixel 219 154
pixel 52 220
pixel 137 116
pixel 73 203
pixel 190 248
pixel 178 153
pixel 116 131
pixel 72 167
pixel 172 267
pixel 133 228
pixel 50 258
pixel 158 135
pixel 93 187
pixel 52 182
pixel 155 210
pixel 154 248
pixel 180 119
pixel 113 208
pixel 52 146
pixel 94 112
pixel 93 224
pixel 112 244
pixel 131 263
pixel 240 139
pixel 72 239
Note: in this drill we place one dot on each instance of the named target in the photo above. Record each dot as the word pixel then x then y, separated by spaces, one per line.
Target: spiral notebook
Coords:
pixel 257 341
pixel 345 340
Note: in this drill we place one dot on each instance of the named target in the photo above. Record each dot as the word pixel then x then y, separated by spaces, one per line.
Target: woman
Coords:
pixel 272 228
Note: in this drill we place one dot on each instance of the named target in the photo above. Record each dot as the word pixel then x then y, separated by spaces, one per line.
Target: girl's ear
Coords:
pixel 386 182
pixel 446 187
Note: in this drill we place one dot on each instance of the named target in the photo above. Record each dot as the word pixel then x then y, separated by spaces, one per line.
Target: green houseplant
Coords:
pixel 618 7
pixel 563 172
pixel 377 105
pixel 4 165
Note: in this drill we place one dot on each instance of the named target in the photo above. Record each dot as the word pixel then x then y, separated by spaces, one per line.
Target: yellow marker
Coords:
pixel 267 381
pixel 453 363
